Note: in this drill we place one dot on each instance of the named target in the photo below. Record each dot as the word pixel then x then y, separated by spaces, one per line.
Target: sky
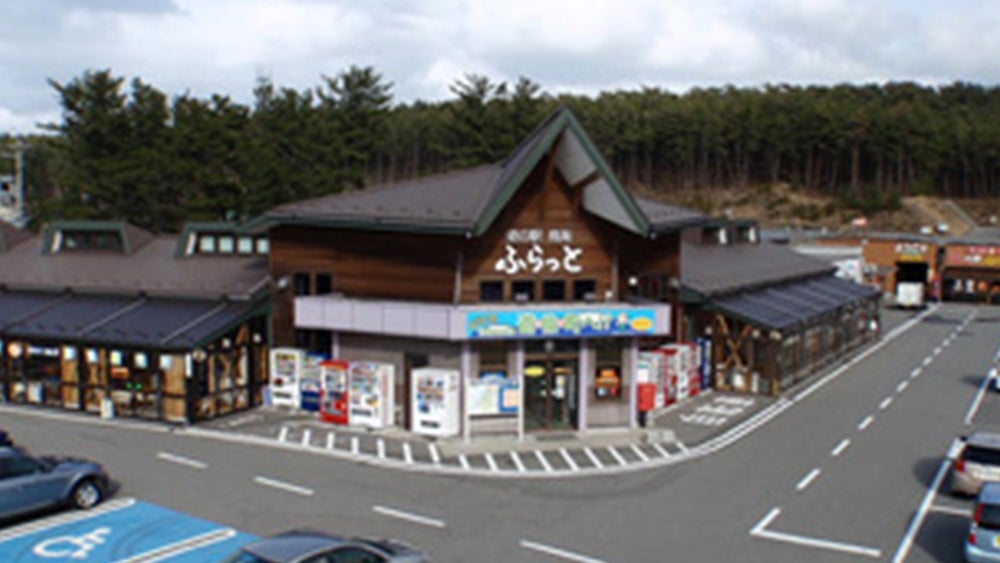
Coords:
pixel 205 47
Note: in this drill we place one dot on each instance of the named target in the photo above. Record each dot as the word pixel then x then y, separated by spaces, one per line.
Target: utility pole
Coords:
pixel 12 187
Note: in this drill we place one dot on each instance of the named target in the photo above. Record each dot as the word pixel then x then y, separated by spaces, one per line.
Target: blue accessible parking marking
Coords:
pixel 120 531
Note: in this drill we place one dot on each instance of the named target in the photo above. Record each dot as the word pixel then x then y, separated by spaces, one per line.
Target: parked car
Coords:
pixel 983 543
pixel 308 546
pixel 29 483
pixel 977 463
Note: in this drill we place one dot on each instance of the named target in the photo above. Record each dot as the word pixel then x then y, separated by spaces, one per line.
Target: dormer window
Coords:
pixel 245 245
pixel 714 235
pixel 226 244
pixel 746 233
pixel 206 244
pixel 81 240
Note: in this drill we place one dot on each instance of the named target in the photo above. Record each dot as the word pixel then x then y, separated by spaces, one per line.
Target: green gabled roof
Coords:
pixel 132 237
pixel 468 202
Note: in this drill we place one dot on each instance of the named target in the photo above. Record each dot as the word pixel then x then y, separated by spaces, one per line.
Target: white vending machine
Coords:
pixel 371 394
pixel 435 408
pixel 286 365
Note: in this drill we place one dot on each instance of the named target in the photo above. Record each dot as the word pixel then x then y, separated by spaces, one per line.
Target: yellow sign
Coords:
pixel 534 371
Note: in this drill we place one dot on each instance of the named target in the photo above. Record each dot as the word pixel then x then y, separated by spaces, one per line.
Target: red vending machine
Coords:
pixel 333 396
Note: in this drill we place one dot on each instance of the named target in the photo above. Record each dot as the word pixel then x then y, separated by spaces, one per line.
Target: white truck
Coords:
pixel 910 295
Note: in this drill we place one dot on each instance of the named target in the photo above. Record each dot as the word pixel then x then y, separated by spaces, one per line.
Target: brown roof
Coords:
pixel 152 268
pixel 719 269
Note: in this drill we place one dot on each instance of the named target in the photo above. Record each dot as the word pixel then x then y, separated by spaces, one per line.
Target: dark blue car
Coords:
pixel 309 546
pixel 29 483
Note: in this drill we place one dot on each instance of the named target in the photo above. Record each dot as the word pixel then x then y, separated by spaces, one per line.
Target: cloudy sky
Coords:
pixel 422 46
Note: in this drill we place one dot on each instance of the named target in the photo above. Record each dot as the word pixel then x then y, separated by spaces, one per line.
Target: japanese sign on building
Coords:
pixel 535 251
pixel 977 256
pixel 561 322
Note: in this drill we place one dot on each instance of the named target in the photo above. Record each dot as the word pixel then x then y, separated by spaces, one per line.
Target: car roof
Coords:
pixel 291 545
pixel 984 440
pixel 990 493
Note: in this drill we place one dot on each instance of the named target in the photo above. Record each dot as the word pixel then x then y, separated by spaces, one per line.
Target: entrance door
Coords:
pixel 550 401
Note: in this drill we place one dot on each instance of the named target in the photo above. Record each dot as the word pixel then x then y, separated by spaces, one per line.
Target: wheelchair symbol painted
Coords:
pixel 73 547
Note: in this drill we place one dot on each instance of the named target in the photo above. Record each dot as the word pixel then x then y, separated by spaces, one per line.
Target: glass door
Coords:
pixel 550 394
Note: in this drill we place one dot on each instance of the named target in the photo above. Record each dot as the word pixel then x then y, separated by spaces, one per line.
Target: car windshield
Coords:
pixel 245 557
pixel 985 456
pixel 990 516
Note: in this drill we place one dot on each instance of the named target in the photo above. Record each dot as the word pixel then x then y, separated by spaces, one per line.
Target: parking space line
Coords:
pixel 866 423
pixel 618 457
pixel 593 458
pixel 761 531
pixel 435 456
pixel 410 517
pixel 491 462
pixel 808 479
pixel 918 519
pixel 174 549
pixel 283 434
pixel 306 437
pixel 543 461
pixel 569 460
pixel 841 447
pixel 331 439
pixel 885 403
pixel 558 552
pixel 66 518
pixel 181 460
pixel 355 447
pixel 407 453
pixel 663 451
pixel 281 485
pixel 380 447
pixel 463 461
pixel 517 462
pixel 953 510
pixel 974 407
pixel 638 451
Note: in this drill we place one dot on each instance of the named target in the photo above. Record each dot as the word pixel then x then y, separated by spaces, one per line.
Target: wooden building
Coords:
pixel 103 316
pixel 536 273
pixel 970 270
pixel 773 317
pixel 890 258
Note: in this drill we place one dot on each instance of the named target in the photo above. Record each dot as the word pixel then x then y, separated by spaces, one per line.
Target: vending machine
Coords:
pixel 309 382
pixel 435 401
pixel 651 371
pixel 333 405
pixel 286 364
pixel 370 394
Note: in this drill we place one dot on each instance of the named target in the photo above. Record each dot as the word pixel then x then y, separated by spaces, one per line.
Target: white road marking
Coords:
pixel 180 460
pixel 569 460
pixel 937 351
pixel 618 457
pixel 331 439
pixel 885 403
pixel 409 517
pixel 902 386
pixel 177 548
pixel 274 483
pixel 918 519
pixel 841 447
pixel 407 453
pixel 807 480
pixel 684 450
pixel 355 446
pixel 283 434
pixel 435 456
pixel 638 451
pixel 380 447
pixel 663 451
pixel 761 531
pixel 593 458
pixel 64 518
pixel 517 462
pixel 543 461
pixel 974 407
pixel 557 552
pixel 953 510
pixel 463 461
pixel 915 373
pixel 866 423
pixel 306 437
pixel 927 361
pixel 491 462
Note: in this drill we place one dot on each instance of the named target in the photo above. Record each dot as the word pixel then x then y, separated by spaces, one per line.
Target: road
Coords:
pixel 840 474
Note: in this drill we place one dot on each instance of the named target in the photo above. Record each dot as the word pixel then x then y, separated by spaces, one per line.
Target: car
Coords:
pixel 310 546
pixel 977 463
pixel 983 542
pixel 29 483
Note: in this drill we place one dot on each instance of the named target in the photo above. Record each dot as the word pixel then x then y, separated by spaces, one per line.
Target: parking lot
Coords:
pixel 123 531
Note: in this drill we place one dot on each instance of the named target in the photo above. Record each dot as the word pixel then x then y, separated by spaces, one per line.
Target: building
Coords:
pixel 96 316
pixel 540 276
pixel 891 258
pixel 773 317
pixel 970 268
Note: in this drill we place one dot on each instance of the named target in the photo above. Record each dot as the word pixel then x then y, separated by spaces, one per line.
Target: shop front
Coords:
pixel 971 272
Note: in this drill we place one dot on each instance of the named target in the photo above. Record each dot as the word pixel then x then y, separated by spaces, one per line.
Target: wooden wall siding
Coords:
pixel 883 254
pixel 544 202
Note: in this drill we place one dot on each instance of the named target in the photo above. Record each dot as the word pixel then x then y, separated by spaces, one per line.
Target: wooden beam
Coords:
pixel 587 180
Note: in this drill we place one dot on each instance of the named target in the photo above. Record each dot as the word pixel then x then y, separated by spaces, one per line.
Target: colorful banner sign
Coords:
pixel 560 323
pixel 973 256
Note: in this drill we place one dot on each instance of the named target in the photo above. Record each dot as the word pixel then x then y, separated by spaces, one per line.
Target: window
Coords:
pixel 584 290
pixel 263 245
pixel 206 244
pixel 353 555
pixel 19 465
pixel 302 284
pixel 491 291
pixel 324 284
pixel 91 240
pixel 554 290
pixel 523 290
pixel 226 244
pixel 245 245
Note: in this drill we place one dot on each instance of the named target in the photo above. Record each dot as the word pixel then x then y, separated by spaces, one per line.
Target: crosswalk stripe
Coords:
pixel 435 456
pixel 618 457
pixel 491 462
pixel 638 451
pixel 463 460
pixel 283 434
pixel 331 438
pixel 663 451
pixel 407 453
pixel 569 460
pixel 517 462
pixel 380 446
pixel 593 458
pixel 355 447
pixel 306 437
